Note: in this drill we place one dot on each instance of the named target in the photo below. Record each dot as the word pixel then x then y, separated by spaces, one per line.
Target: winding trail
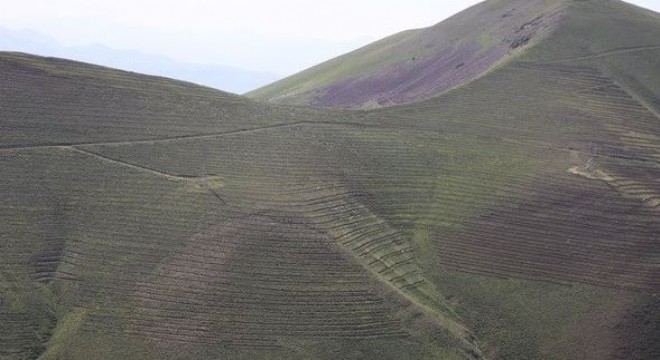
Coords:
pixel 156 140
pixel 186 137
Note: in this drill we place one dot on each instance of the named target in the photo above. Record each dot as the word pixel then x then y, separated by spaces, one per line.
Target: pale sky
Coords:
pixel 282 36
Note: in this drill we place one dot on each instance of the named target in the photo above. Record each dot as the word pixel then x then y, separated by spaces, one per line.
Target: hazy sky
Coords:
pixel 280 36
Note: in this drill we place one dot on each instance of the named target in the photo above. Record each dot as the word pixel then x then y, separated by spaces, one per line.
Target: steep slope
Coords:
pixel 418 64
pixel 615 38
pixel 588 93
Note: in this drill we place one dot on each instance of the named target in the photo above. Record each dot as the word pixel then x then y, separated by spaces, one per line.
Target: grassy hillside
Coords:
pixel 53 101
pixel 515 217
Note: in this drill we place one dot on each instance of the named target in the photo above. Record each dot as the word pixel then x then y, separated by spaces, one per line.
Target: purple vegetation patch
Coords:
pixel 414 80
pixel 432 75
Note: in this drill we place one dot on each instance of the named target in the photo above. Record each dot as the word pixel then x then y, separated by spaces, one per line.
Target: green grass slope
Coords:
pixel 515 217
pixel 198 262
pixel 54 101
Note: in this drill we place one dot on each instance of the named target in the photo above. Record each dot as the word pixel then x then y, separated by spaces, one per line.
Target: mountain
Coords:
pixel 418 64
pixel 239 251
pixel 220 77
pixel 513 217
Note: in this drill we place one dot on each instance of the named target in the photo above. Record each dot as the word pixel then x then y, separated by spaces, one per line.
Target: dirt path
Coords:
pixel 132 166
pixel 157 140
pixel 184 137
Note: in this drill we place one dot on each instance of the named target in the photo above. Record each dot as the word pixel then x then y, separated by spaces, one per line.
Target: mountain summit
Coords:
pixel 418 64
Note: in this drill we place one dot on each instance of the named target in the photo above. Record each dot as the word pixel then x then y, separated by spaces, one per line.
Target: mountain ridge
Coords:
pixel 219 77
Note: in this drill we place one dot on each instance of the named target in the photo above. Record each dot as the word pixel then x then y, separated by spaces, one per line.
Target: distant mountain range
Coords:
pixel 226 78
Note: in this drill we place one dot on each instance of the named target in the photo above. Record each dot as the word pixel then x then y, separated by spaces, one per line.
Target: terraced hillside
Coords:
pixel 142 261
pixel 515 217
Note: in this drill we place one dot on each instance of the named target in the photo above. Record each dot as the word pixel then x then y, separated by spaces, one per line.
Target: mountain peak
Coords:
pixel 419 64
